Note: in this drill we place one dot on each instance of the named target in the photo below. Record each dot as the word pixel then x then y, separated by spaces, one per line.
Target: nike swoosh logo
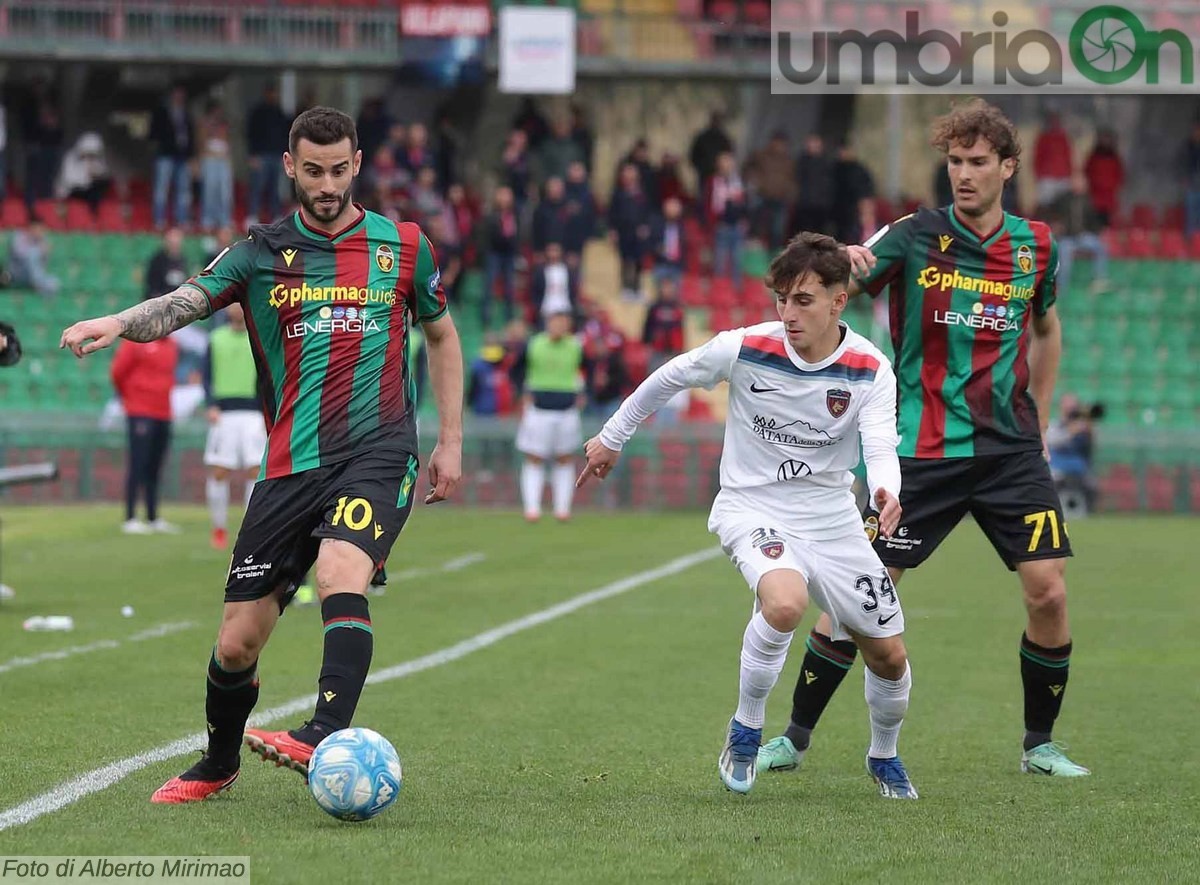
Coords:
pixel 755 389
pixel 1040 768
pixel 883 621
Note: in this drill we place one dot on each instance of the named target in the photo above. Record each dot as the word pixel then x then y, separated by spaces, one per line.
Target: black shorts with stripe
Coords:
pixel 1011 496
pixel 365 500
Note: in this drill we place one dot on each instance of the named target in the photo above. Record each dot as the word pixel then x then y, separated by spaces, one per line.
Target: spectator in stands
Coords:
pixel 581 131
pixel 707 146
pixel 516 164
pixel 443 233
pixel 663 330
pixel 670 183
pixel 464 216
pixel 607 378
pixel 550 215
pixel 28 258
pixel 216 168
pixel 489 391
pixel 581 213
pixel 639 156
pixel 43 143
pixel 1105 175
pixel 84 174
pixel 426 196
pixel 143 375
pixel 1053 160
pixel 1076 225
pixel 728 212
pixel 1071 442
pixel 448 148
pixel 266 129
pixel 416 154
pixel 558 151
pixel 1191 177
pixel 554 287
pixel 3 153
pixel 500 245
pixel 167 270
pixel 669 242
pixel 771 175
pixel 854 197
pixel 10 345
pixel 630 215
pixel 814 184
pixel 175 140
pixel 531 121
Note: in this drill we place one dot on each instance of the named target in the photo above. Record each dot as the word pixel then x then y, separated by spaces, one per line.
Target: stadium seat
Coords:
pixel 79 216
pixel 14 213
pixel 49 213
pixel 1143 215
pixel 1172 245
pixel 1173 217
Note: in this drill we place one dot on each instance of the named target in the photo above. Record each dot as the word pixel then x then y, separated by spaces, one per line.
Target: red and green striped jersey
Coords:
pixel 961 308
pixel 329 319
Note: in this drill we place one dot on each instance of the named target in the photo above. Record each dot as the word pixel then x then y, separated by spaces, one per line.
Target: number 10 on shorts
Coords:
pixel 1038 521
pixel 355 513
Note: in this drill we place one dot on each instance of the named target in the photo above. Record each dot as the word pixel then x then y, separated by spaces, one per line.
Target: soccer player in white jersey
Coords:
pixel 802 392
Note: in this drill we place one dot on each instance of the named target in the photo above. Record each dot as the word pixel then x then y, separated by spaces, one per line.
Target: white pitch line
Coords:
pixel 101 645
pixel 451 565
pixel 103 778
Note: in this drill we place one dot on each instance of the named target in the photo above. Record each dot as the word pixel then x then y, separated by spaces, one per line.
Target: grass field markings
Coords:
pixel 100 645
pixel 102 778
pixel 451 565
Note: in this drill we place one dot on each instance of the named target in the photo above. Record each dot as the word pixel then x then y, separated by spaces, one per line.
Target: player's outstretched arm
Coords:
pixel 705 366
pixel 877 430
pixel 446 379
pixel 154 318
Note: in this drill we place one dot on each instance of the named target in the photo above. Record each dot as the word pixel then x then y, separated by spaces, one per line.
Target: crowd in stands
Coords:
pixel 680 226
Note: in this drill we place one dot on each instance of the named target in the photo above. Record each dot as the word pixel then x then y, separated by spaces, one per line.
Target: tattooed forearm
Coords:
pixel 158 317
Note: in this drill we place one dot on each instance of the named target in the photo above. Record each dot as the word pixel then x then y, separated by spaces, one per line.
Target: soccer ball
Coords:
pixel 354 774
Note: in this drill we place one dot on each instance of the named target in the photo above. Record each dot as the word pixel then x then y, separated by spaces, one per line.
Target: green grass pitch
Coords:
pixel 583 749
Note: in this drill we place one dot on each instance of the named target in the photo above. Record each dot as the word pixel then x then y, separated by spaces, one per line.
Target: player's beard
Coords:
pixel 323 214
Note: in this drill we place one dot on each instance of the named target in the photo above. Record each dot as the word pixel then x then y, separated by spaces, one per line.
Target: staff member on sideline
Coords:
pixel 143 375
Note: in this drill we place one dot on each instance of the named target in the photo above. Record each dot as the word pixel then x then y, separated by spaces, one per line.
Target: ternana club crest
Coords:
pixel 384 257
pixel 837 401
pixel 1025 258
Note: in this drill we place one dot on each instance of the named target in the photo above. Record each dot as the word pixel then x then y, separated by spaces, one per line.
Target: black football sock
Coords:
pixel 1044 674
pixel 825 665
pixel 230 698
pixel 348 647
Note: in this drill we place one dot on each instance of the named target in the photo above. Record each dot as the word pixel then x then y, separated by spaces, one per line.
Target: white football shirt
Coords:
pixel 793 428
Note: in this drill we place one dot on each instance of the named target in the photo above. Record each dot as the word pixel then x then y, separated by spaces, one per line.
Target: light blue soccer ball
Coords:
pixel 354 774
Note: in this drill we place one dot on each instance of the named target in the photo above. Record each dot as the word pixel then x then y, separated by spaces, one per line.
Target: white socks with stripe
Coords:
pixel 764 652
pixel 887 702
pixel 533 482
pixel 217 493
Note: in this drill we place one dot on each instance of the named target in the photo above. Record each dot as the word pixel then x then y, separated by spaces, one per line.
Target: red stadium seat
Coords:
pixel 1194 246
pixel 14 213
pixel 637 361
pixel 1173 218
pixel 757 13
pixel 691 291
pixel 1143 215
pixel 1114 241
pixel 79 216
pixel 49 213
pixel 111 217
pixel 722 293
pixel 1172 245
pixel 1140 244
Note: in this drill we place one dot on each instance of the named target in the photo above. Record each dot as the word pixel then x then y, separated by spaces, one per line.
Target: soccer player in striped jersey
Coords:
pixel 977 342
pixel 802 393
pixel 329 294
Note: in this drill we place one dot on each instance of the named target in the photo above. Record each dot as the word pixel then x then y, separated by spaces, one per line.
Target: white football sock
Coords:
pixel 764 652
pixel 217 492
pixel 887 701
pixel 562 486
pixel 533 481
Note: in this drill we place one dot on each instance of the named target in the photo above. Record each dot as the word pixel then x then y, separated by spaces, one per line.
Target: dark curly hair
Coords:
pixel 323 126
pixel 822 255
pixel 966 123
